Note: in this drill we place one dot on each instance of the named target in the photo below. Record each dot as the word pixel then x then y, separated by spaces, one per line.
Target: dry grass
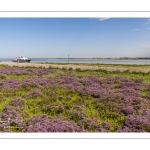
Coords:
pixel 108 67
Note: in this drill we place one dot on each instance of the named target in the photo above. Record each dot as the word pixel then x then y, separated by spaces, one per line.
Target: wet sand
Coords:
pixel 82 67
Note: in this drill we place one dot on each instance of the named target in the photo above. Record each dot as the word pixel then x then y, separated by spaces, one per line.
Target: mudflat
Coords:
pixel 108 67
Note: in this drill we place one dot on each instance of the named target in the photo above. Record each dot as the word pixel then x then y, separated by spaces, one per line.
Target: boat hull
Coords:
pixel 19 60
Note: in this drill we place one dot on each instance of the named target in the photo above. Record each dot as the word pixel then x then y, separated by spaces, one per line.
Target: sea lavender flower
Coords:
pixel 34 93
pixel 45 123
pixel 17 102
pixel 103 127
pixel 137 122
pixel 128 110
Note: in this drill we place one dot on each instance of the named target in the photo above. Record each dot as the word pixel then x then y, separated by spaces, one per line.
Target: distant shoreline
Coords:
pixel 111 58
pixel 99 58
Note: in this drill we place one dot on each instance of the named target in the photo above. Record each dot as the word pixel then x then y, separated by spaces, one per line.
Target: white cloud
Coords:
pixel 135 30
pixel 102 19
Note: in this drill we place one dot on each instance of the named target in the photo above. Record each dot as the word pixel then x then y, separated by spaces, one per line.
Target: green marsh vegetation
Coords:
pixel 67 100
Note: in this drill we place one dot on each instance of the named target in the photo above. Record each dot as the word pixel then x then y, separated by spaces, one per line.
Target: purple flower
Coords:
pixel 34 93
pixel 45 123
pixel 128 110
pixel 17 102
pixel 103 127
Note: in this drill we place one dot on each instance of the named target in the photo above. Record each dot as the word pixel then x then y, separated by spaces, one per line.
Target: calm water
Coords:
pixel 104 61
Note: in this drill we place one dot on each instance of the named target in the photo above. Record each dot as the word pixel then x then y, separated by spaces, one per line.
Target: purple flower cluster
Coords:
pixel 128 110
pixel 10 116
pixel 136 122
pixel 45 123
pixel 33 94
pixel 25 83
pixel 10 84
pixel 68 82
pixel 17 102
pixel 35 81
pixel 13 70
pixel 103 127
pixel 20 71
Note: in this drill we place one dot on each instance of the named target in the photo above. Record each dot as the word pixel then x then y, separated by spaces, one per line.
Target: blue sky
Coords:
pixel 76 37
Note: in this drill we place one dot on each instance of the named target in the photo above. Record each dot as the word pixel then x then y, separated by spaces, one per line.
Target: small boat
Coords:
pixel 21 59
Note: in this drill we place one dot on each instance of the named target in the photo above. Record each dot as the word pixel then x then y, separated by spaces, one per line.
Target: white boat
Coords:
pixel 21 59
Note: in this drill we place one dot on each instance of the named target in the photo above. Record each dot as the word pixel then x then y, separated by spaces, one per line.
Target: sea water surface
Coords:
pixel 101 61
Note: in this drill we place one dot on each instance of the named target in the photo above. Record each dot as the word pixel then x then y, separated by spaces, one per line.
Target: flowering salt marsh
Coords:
pixel 38 99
